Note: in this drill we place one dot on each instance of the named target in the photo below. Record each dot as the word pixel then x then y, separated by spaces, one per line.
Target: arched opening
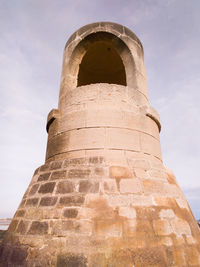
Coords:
pixel 101 64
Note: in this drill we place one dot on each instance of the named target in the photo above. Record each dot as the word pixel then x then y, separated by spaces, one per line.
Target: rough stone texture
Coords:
pixel 103 196
pixel 75 200
pixel 48 201
pixel 65 187
pixel 46 188
pixel 38 228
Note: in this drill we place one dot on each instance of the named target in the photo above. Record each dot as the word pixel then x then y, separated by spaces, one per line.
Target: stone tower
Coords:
pixel 103 198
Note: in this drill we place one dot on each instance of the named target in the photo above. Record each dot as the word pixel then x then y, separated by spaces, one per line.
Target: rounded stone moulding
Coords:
pixel 103 198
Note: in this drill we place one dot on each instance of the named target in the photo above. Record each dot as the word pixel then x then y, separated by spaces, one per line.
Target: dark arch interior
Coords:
pixel 101 64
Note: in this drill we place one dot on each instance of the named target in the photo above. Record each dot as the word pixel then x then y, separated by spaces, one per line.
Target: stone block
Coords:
pixel 122 139
pixel 110 186
pixel 20 213
pixel 174 191
pixel 38 228
pixel 140 173
pixel 103 118
pixel 130 186
pixel 96 160
pixel 89 138
pixel 163 201
pixel 48 201
pixel 22 204
pixel 127 212
pixel 34 213
pixel 79 173
pixel 70 213
pixel 154 187
pixel 115 157
pixel 142 201
pixel 58 175
pixel 87 186
pixel 44 167
pixel 119 200
pixel 56 165
pixel 76 161
pixel 158 174
pixel 150 145
pixel 108 228
pixel 139 163
pixel 120 172
pixel 73 120
pixel 47 188
pixel 32 202
pixel 44 176
pixel 95 153
pixel 65 187
pixel 74 200
pixel 180 227
pixel 13 225
pixel 162 227
pixel 98 171
pixel 34 189
pixel 60 228
pixel 22 227
pixel 166 213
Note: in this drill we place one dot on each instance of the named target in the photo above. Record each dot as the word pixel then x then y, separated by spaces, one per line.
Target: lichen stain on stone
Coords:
pixel 118 173
pixel 106 219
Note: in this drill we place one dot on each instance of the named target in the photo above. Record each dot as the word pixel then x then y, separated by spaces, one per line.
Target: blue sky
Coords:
pixel 33 35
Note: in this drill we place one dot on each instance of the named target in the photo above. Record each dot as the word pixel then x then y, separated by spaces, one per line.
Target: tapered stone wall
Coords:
pixel 103 196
